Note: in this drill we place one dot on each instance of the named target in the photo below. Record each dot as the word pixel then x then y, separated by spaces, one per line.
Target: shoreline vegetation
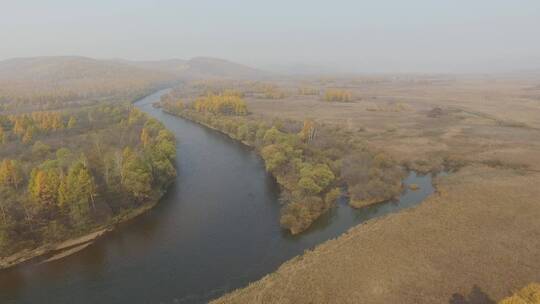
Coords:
pixel 67 178
pixel 311 162
pixel 55 251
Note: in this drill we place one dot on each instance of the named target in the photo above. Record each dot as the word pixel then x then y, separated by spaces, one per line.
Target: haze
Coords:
pixel 352 36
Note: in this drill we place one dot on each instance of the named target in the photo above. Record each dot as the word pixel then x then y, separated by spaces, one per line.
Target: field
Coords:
pixel 478 235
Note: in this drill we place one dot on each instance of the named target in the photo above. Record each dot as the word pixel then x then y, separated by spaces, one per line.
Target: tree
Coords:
pixel 3 135
pixel 160 155
pixel 242 132
pixel 272 136
pixel 72 122
pixel 43 186
pixel 28 135
pixel 273 157
pixel 40 149
pixel 308 185
pixel 136 176
pixel 307 134
pixel 63 155
pixel 19 127
pixel 315 178
pixel 10 173
pixel 134 116
pixel 77 191
pixel 112 171
pixel 166 144
pixel 87 187
pixel 145 137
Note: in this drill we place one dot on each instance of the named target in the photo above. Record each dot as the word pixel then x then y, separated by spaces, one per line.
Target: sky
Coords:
pixel 360 36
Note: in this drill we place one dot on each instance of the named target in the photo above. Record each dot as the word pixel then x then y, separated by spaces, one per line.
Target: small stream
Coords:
pixel 216 230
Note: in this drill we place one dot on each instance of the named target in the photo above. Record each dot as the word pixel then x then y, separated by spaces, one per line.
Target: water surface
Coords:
pixel 217 229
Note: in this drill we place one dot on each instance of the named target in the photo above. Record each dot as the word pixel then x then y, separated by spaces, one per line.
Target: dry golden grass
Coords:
pixel 479 119
pixel 481 227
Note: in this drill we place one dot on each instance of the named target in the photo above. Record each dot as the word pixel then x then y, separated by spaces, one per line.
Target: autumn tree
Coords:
pixel 272 136
pixel 77 191
pixel 315 178
pixel 43 186
pixel 10 173
pixel 28 135
pixel 3 135
pixel 72 122
pixel 145 137
pixel 307 134
pixel 136 176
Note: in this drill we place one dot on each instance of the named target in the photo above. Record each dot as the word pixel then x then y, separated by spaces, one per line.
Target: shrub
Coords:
pixel 530 294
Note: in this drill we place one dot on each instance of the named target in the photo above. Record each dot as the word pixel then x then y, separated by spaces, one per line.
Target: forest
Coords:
pixel 65 173
pixel 311 162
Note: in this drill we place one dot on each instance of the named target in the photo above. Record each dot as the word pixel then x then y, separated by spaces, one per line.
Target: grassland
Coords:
pixel 478 232
pixel 424 120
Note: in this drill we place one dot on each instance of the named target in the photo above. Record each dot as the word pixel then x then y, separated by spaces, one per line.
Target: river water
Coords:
pixel 217 229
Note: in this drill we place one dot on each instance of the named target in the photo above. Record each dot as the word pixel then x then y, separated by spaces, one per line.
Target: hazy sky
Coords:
pixel 368 36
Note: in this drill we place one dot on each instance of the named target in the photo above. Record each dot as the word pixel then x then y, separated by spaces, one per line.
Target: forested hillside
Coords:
pixel 47 83
pixel 63 173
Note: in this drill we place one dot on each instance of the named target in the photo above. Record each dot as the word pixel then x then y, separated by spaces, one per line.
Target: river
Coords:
pixel 216 229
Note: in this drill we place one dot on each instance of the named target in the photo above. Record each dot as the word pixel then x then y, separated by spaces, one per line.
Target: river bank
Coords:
pixel 55 251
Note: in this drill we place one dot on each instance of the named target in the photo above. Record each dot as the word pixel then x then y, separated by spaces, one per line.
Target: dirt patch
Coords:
pixel 67 252
pixel 58 250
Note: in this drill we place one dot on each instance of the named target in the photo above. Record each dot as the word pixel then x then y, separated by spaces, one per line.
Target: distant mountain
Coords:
pixel 305 69
pixel 64 68
pixel 201 68
pixel 177 67
pixel 205 66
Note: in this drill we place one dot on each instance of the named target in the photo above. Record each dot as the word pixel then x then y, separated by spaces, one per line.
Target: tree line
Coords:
pixel 223 104
pixel 337 95
pixel 24 127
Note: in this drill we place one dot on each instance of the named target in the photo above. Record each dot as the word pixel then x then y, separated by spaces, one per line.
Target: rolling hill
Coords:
pixel 201 68
pixel 58 80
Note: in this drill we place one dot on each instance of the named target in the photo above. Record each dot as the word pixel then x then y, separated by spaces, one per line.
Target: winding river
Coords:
pixel 217 229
